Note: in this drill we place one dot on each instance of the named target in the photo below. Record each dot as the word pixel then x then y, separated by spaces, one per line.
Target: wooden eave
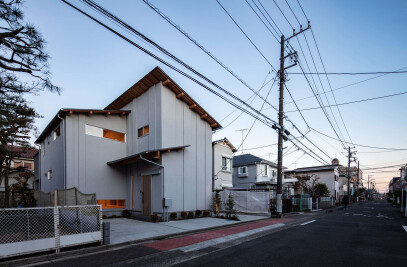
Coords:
pixel 155 76
pixel 151 154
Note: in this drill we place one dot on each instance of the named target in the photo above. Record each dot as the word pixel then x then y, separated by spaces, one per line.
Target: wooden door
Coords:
pixel 146 181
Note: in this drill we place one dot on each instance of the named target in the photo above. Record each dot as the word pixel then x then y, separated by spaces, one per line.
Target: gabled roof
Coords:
pixel 226 141
pixel 155 76
pixel 249 159
pixel 69 111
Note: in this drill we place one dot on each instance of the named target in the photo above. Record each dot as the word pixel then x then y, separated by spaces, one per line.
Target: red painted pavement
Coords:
pixel 196 238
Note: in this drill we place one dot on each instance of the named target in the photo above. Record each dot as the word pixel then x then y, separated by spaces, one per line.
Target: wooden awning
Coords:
pixel 151 154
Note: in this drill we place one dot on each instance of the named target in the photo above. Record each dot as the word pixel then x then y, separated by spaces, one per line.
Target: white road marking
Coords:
pixel 405 227
pixel 308 222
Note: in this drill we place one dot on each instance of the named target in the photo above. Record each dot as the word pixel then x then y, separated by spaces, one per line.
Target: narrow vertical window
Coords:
pixel 57 133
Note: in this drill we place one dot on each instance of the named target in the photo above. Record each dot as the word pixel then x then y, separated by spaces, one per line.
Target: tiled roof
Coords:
pixel 24 152
pixel 248 159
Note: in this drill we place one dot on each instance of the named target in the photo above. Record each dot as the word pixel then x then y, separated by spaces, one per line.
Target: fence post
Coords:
pixel 317 202
pixel 247 196
pixel 55 198
pixel 56 229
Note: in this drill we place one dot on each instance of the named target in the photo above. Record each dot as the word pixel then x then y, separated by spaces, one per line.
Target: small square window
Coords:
pixel 143 131
pixel 49 174
pixel 226 164
pixel 242 170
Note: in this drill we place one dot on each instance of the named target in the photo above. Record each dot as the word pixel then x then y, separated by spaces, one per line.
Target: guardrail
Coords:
pixel 29 230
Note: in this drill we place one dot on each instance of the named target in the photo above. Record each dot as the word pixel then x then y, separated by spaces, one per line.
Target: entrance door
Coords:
pixel 146 181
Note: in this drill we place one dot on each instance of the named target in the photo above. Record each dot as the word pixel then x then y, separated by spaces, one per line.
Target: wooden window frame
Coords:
pixel 141 132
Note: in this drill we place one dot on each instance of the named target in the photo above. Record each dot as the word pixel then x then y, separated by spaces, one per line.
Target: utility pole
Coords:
pixel 281 129
pixel 357 186
pixel 242 130
pixel 348 175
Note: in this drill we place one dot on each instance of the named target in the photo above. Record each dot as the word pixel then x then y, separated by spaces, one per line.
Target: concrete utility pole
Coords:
pixel 281 129
pixel 348 174
pixel 357 186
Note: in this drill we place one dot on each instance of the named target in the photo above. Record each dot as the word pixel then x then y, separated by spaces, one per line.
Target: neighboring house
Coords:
pixel 394 185
pixel 149 149
pixel 223 152
pixel 23 163
pixel 252 172
pixel 327 174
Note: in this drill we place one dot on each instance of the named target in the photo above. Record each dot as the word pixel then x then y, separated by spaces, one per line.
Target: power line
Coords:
pixel 234 21
pixel 265 10
pixel 326 115
pixel 351 102
pixel 385 167
pixel 262 20
pixel 114 18
pixel 351 73
pixel 293 12
pixel 384 148
pixel 348 85
pixel 265 121
pixel 302 10
pixel 159 12
pixel 261 108
pixel 283 14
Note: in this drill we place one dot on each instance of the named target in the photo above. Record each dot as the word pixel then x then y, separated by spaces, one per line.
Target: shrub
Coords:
pixel 230 207
pixel 216 203
pixel 104 217
pixel 198 213
pixel 173 215
pixel 113 216
pixel 126 213
pixel 190 215
pixel 184 214
pixel 206 213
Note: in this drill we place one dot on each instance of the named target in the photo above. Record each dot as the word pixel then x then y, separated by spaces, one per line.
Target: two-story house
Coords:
pixel 24 162
pixel 253 172
pixel 150 150
pixel 330 175
pixel 223 151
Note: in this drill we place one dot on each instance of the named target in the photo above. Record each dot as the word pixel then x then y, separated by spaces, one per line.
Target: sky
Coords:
pixel 93 66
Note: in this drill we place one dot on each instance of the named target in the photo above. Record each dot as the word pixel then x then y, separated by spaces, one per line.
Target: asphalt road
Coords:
pixel 369 234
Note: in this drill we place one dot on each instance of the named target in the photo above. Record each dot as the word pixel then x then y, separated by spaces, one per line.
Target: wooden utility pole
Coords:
pixel 348 175
pixel 280 127
pixel 357 186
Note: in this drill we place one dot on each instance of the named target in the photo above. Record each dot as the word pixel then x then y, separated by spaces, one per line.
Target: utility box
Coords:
pixel 106 233
pixel 167 202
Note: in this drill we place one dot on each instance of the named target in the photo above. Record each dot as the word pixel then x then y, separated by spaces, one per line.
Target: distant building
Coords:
pixel 252 172
pixel 23 163
pixel 223 151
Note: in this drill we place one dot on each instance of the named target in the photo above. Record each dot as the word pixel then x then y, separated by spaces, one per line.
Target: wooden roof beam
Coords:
pixel 180 95
pixel 192 106
pixel 122 114
pixel 166 82
pixel 214 124
pixel 107 114
pixel 70 113
pixel 90 113
pixel 204 116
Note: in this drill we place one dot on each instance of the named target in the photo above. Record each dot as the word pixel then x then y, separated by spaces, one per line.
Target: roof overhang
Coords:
pixel 155 76
pixel 68 112
pixel 150 154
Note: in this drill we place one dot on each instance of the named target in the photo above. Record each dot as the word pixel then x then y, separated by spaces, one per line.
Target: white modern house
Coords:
pixel 149 151
pixel 223 151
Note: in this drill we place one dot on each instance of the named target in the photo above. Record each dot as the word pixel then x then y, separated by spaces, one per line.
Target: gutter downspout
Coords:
pixel 162 167
pixel 64 145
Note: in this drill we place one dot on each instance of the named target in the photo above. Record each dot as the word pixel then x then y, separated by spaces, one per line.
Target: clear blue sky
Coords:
pixel 93 66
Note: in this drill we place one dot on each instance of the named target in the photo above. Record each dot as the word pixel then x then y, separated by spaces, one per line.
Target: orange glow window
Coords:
pixel 113 135
pixel 143 131
pixel 112 204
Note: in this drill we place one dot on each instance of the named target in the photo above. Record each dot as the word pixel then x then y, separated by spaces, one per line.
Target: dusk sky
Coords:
pixel 93 66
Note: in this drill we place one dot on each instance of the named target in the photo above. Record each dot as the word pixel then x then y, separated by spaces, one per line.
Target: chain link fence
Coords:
pixel 27 230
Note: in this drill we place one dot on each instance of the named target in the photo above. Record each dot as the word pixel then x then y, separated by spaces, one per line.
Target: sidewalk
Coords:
pixel 127 230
